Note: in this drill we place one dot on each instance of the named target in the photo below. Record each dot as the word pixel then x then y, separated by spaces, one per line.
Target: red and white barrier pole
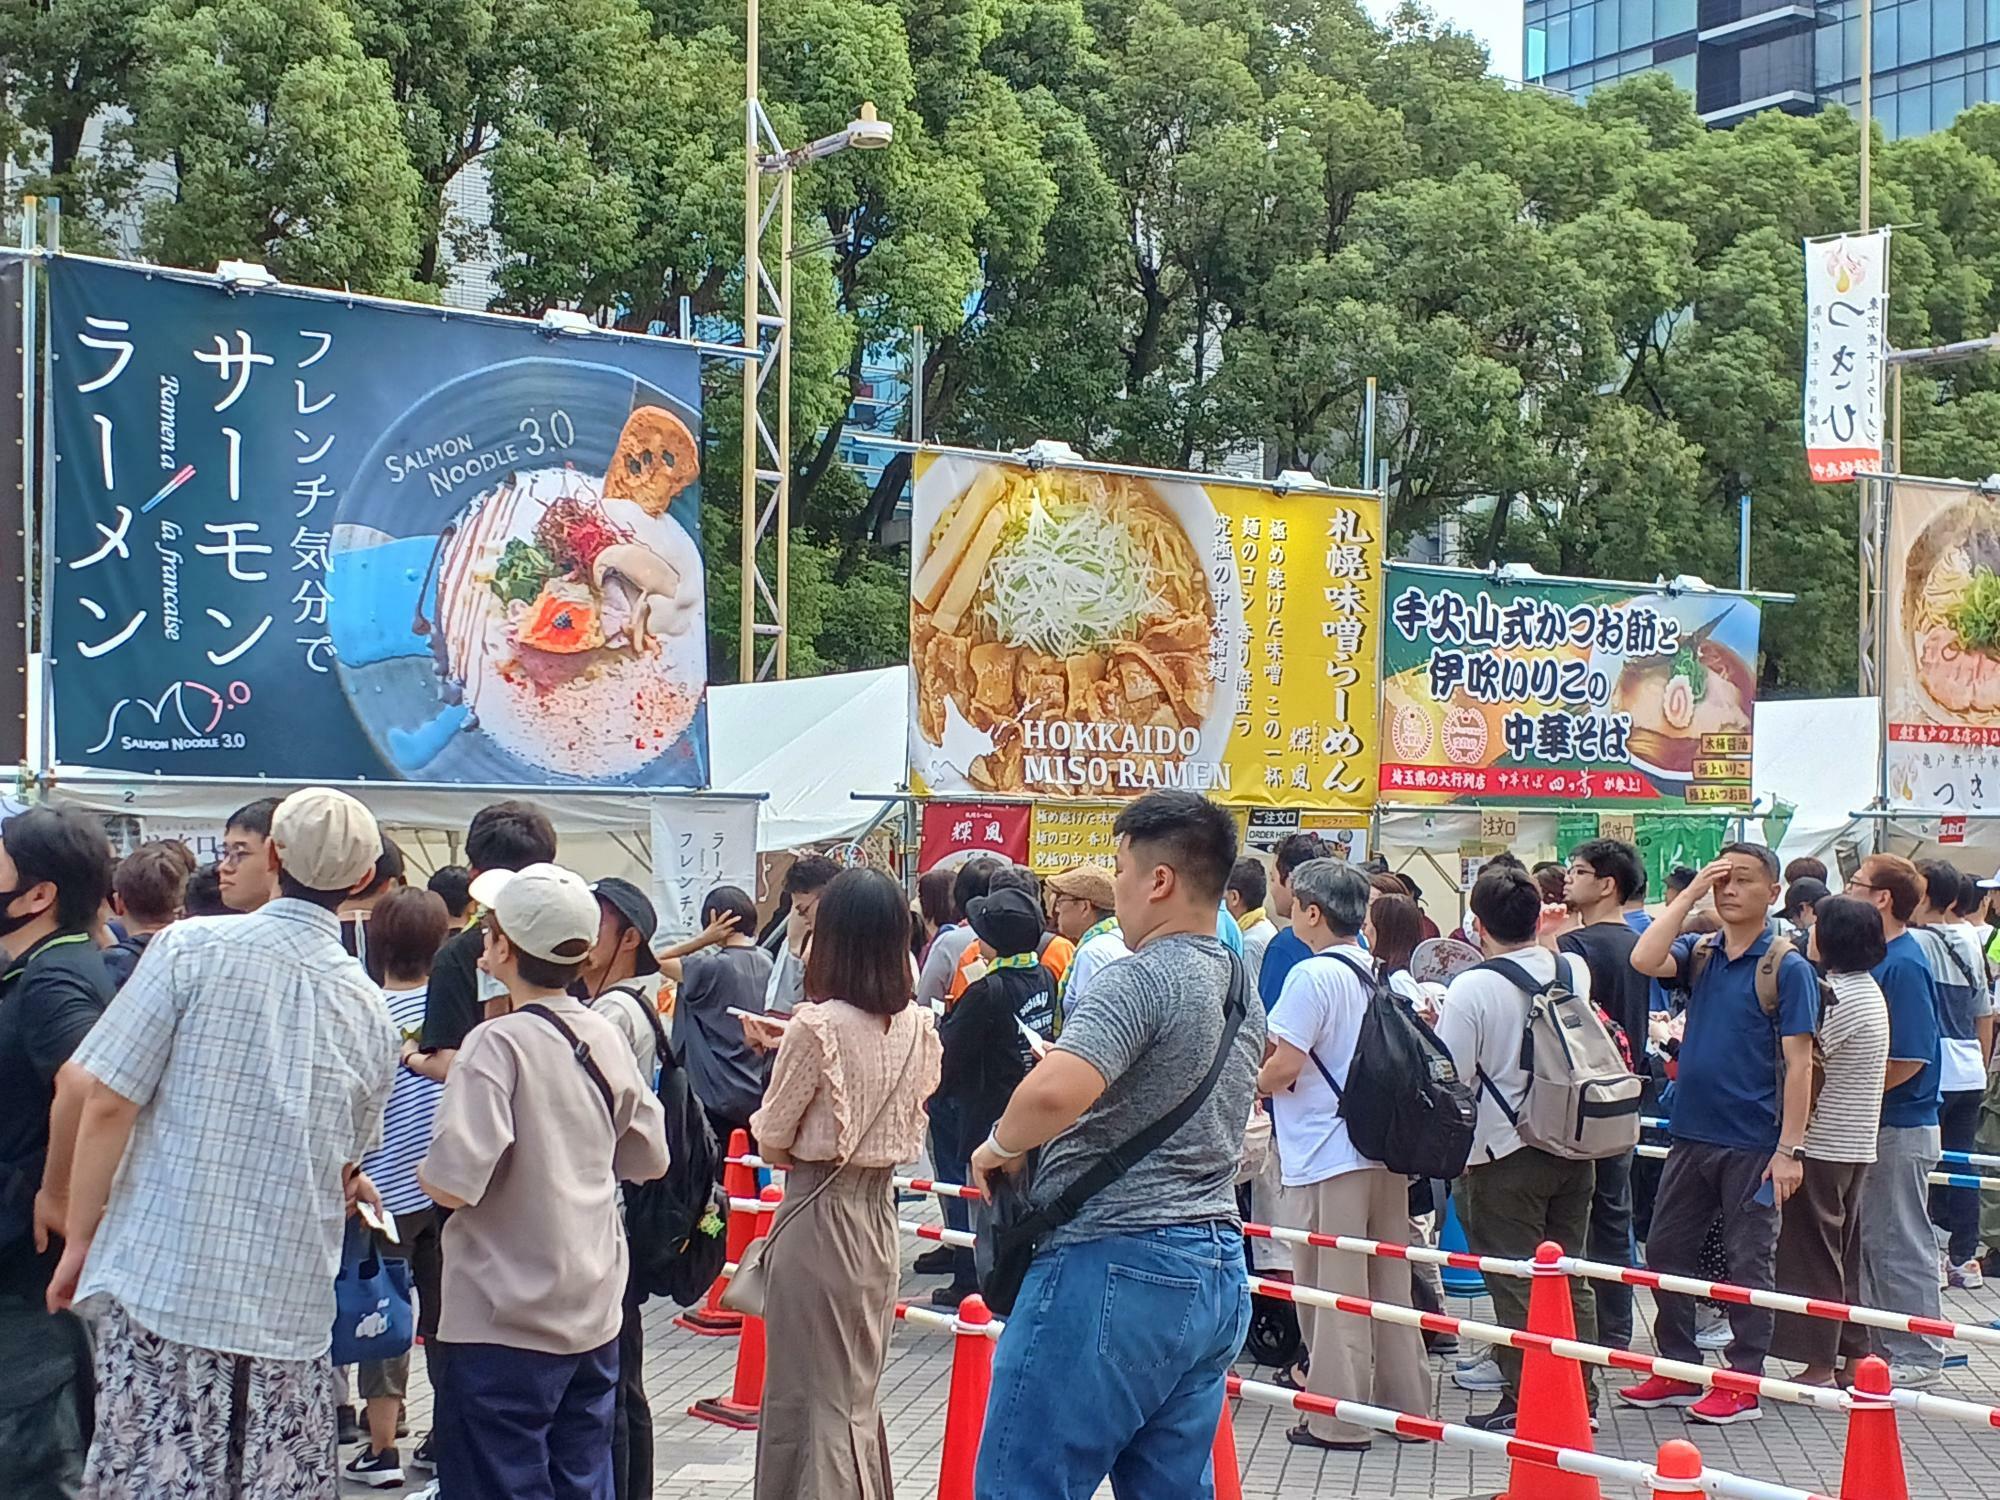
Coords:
pixel 712 1319
pixel 740 1408
pixel 965 1408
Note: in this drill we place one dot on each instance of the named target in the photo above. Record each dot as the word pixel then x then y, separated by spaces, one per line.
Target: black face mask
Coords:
pixel 8 898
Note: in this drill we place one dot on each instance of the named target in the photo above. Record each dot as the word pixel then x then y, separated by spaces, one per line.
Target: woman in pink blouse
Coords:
pixel 845 1105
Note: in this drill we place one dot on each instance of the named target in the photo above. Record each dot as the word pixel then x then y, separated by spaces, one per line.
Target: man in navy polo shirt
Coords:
pixel 1287 948
pixel 1899 1260
pixel 1738 1135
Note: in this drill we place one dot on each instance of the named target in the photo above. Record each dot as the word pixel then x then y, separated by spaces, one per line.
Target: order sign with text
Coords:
pixel 1092 634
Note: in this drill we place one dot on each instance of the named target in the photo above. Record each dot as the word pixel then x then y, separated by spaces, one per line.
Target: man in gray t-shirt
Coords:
pixel 1150 1027
pixel 1148 1278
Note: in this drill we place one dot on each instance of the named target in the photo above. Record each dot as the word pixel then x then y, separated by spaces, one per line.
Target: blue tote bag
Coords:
pixel 371 1302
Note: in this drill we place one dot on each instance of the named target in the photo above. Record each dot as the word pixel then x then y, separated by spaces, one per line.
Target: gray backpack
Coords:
pixel 1582 1101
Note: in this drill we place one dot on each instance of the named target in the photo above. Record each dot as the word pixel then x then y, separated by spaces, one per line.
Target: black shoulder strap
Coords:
pixel 1129 1153
pixel 1368 984
pixel 580 1050
pixel 1957 958
pixel 663 1052
pixel 1519 977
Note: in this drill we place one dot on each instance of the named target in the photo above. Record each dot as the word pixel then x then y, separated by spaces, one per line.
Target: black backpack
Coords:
pixel 674 1225
pixel 1404 1104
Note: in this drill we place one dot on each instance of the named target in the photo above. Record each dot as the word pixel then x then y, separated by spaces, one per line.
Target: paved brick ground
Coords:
pixel 1793 1445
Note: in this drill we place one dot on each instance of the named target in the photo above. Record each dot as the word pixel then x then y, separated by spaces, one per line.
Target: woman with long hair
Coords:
pixel 845 1104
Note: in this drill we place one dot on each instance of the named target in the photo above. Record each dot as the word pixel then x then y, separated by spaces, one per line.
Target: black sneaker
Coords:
pixel 1500 1419
pixel 948 1297
pixel 381 1471
pixel 939 1262
pixel 425 1456
pixel 351 1430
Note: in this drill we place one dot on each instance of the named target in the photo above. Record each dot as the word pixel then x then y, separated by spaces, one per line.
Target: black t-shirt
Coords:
pixel 452 1007
pixel 985 1056
pixel 49 1000
pixel 727 1075
pixel 1621 990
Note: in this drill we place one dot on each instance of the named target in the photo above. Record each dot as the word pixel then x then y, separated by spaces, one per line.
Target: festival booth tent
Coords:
pixel 803 748
pixel 1822 755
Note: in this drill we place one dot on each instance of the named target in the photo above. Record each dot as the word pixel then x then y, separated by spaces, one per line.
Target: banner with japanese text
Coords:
pixel 1941 649
pixel 311 537
pixel 1537 692
pixel 952 832
pixel 1847 322
pixel 700 843
pixel 14 429
pixel 1268 827
pixel 1095 633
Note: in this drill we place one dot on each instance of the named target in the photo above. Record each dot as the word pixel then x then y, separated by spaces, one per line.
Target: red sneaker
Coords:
pixel 1721 1408
pixel 1657 1390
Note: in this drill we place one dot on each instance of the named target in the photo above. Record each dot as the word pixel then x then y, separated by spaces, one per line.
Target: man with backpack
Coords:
pixel 1742 1096
pixel 1330 1187
pixel 1518 1192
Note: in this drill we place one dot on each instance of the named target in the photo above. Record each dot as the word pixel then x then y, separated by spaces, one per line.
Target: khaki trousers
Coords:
pixel 1355 1358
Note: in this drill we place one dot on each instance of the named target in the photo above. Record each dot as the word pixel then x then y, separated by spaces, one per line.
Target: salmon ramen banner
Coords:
pixel 1941 649
pixel 1542 693
pixel 1092 634
pixel 308 537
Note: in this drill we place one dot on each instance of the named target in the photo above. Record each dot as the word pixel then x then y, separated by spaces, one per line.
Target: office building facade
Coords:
pixel 1933 58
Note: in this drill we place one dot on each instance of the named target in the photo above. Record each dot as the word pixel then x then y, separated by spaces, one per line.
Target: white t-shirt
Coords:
pixel 1091 959
pixel 1481 1022
pixel 1962 1064
pixel 1319 1011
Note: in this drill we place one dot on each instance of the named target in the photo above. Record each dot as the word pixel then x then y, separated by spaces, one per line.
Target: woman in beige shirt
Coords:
pixel 845 1105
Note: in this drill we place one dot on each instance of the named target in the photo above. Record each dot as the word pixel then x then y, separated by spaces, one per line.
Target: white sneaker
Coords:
pixel 1479 1375
pixel 1944 1270
pixel 1711 1328
pixel 1914 1377
pixel 1968 1277
pixel 431 1491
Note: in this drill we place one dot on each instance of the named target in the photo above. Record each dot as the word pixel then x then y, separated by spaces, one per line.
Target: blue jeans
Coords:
pixel 946 1161
pixel 517 1424
pixel 1113 1363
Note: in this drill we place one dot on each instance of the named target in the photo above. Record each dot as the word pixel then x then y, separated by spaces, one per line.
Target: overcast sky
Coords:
pixel 1495 22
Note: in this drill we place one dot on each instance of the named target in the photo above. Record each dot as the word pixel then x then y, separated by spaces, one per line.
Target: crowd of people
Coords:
pixel 219 1087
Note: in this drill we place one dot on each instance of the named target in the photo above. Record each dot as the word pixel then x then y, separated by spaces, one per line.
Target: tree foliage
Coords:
pixel 1173 231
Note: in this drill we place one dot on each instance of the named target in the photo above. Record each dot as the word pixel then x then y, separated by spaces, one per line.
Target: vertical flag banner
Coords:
pixel 314 537
pixel 700 843
pixel 1941 649
pixel 1847 320
pixel 1096 634
pixel 1519 693
pixel 953 832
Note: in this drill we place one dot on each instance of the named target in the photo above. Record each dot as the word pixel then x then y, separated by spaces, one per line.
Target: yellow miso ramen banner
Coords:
pixel 1097 634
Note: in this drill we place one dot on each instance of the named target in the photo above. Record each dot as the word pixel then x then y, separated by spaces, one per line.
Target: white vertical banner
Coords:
pixel 1847 338
pixel 700 843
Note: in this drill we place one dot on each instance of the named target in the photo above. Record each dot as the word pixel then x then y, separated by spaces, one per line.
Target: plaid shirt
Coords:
pixel 260 1056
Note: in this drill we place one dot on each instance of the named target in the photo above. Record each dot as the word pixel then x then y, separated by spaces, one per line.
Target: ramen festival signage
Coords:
pixel 1941 649
pixel 306 536
pixel 1847 319
pixel 1541 693
pixel 1094 634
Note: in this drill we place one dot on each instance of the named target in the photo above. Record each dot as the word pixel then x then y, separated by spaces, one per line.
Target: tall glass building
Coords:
pixel 1933 58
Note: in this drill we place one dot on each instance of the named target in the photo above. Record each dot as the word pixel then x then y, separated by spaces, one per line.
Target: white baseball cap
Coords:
pixel 1991 885
pixel 326 840
pixel 543 909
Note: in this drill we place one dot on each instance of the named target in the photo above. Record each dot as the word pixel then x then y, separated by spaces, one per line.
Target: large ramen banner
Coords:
pixel 314 538
pixel 1941 653
pixel 1095 634
pixel 1524 693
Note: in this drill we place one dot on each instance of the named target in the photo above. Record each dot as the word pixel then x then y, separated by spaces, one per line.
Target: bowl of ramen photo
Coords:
pixel 532 610
pixel 1950 616
pixel 1062 624
pixel 1706 685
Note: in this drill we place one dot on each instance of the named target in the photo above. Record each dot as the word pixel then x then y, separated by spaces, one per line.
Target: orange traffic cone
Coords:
pixel 1874 1464
pixel 1552 1405
pixel 1677 1471
pixel 740 1408
pixel 965 1408
pixel 712 1319
pixel 1228 1472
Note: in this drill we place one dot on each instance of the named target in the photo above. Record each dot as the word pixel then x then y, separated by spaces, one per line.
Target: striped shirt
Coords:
pixel 406 1122
pixel 1854 1035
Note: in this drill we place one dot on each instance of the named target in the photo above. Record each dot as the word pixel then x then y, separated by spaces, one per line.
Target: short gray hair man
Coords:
pixel 1340 891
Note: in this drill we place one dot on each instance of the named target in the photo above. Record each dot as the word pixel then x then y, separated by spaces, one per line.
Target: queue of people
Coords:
pixel 212 1105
